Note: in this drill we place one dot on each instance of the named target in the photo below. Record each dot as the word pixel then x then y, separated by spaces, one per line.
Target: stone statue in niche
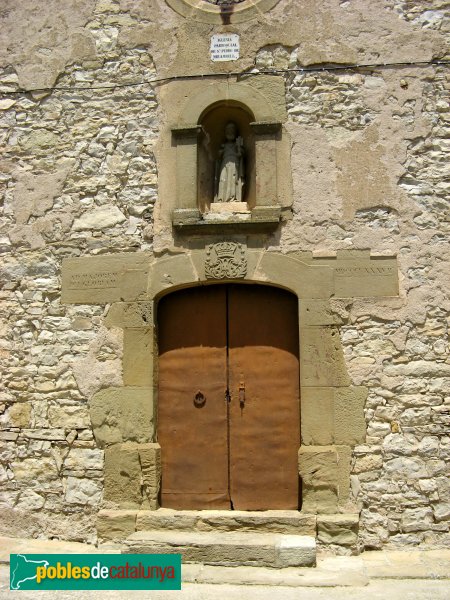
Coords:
pixel 229 175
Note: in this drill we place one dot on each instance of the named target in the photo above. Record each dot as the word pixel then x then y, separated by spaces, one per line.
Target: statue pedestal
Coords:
pixel 229 207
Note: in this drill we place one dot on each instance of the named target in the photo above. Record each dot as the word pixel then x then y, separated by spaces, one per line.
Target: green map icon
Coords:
pixel 23 569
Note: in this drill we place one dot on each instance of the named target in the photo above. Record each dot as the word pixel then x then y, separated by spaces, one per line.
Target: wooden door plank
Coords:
pixel 265 431
pixel 193 439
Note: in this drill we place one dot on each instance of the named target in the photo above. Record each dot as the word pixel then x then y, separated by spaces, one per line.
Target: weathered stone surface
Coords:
pixel 320 312
pixel 361 181
pixel 325 473
pixel 322 358
pixel 83 491
pixel 130 315
pixel 138 365
pixel 270 521
pixel 339 529
pixel 304 280
pixel 122 414
pixel 333 415
pixel 257 549
pixel 150 461
pixel 102 217
pixel 176 270
pixel 122 476
pixel 115 524
pixel 17 415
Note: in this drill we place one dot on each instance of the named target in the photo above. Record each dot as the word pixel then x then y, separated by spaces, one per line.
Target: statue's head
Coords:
pixel 230 131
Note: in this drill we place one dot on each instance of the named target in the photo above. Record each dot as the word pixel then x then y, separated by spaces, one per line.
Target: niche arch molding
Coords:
pixel 206 11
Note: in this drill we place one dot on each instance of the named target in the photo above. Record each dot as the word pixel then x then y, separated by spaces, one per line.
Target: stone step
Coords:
pixel 228 548
pixel 118 524
pixel 269 521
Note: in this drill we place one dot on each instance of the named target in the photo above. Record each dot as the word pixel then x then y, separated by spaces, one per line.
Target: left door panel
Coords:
pixel 192 407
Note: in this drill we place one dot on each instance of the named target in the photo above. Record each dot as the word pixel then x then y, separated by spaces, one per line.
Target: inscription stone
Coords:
pixel 224 47
pixel 99 280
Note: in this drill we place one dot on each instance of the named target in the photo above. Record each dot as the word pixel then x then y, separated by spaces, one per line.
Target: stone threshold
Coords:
pixel 227 548
pixel 119 524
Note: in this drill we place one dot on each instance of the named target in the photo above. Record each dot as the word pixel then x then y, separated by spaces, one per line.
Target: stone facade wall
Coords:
pixel 79 176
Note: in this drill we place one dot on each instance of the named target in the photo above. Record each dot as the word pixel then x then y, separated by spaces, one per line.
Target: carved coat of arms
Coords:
pixel 225 260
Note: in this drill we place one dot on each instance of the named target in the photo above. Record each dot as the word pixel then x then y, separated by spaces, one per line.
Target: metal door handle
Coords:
pixel 199 399
pixel 242 394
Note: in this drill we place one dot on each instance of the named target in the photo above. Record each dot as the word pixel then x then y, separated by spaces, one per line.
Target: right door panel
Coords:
pixel 264 409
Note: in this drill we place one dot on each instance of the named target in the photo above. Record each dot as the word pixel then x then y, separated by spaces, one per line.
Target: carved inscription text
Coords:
pixel 364 271
pixel 105 279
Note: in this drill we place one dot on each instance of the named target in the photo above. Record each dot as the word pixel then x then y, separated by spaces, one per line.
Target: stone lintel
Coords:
pixel 305 280
pixel 266 214
pixel 185 216
pixel 357 275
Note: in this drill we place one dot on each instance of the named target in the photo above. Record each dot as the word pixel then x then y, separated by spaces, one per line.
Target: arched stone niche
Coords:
pixel 258 107
pixel 213 123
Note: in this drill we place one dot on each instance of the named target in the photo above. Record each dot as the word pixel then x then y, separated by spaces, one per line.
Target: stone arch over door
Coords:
pixel 332 408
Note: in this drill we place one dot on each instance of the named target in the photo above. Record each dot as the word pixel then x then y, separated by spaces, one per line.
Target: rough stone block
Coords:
pixel 319 500
pixel 333 415
pixel 341 529
pixel 138 348
pixel 83 491
pixel 319 312
pixel 130 314
pixel 172 271
pixel 17 415
pixel 321 357
pixel 318 466
pixel 122 414
pixel 343 473
pixel 325 472
pixel 123 476
pixel 317 410
pixel 150 460
pixel 349 421
pixel 115 524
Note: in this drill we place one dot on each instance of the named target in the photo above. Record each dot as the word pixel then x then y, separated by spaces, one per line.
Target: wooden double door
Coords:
pixel 228 416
